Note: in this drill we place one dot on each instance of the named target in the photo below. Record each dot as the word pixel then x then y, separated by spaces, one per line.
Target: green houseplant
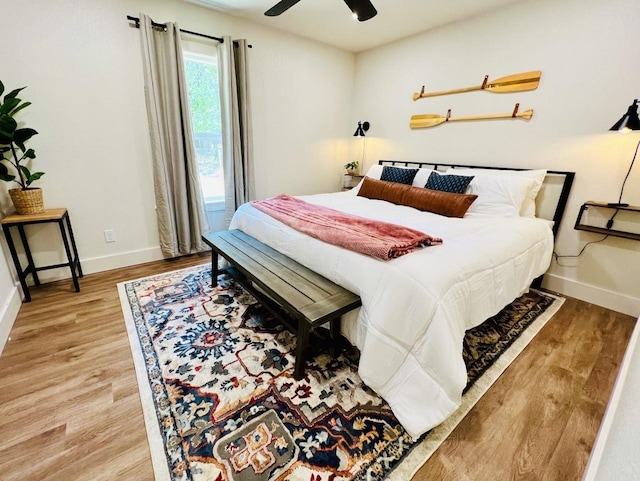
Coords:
pixel 14 155
pixel 352 167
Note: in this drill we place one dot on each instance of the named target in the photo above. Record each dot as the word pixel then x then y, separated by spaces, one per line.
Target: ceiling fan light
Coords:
pixel 363 17
pixel 362 9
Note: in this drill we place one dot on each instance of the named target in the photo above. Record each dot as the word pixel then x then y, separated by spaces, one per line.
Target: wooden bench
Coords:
pixel 307 297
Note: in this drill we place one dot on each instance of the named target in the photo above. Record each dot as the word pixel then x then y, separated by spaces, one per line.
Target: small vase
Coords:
pixel 27 201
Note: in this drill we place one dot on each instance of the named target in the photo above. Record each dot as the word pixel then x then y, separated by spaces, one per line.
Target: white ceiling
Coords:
pixel 331 22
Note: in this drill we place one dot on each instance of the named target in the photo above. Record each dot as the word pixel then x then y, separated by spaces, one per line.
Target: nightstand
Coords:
pixel 603 230
pixel 59 216
pixel 350 181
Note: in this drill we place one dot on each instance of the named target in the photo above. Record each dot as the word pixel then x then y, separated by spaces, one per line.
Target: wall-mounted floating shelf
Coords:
pixel 603 230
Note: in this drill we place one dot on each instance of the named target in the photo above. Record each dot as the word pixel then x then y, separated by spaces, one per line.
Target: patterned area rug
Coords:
pixel 215 372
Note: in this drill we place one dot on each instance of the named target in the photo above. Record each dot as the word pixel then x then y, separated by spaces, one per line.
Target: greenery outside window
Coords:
pixel 204 102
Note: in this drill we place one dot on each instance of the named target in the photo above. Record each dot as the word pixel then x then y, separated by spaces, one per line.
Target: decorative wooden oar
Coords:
pixel 511 83
pixel 431 120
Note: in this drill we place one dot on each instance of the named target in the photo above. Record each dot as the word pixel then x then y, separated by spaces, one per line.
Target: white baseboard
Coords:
pixel 595 295
pixel 124 259
pixel 8 313
pixel 104 263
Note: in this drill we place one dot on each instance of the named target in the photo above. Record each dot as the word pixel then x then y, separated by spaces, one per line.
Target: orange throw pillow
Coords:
pixel 438 202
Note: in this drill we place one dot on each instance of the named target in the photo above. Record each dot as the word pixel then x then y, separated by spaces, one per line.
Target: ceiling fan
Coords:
pixel 362 9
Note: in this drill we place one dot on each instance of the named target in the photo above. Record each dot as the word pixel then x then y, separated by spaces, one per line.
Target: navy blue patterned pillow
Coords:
pixel 396 174
pixel 448 183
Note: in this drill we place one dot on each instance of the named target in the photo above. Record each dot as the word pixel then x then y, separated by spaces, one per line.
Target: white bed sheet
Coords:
pixel 416 308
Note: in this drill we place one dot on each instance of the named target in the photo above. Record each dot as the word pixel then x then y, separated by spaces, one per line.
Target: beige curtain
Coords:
pixel 237 137
pixel 179 202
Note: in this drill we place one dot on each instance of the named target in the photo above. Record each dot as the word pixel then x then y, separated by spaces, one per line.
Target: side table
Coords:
pixel 61 216
pixel 350 181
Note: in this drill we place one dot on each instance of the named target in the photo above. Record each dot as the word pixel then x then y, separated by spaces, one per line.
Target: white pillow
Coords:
pixel 528 208
pixel 420 180
pixel 499 195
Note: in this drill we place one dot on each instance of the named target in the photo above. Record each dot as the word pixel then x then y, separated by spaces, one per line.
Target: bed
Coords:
pixel 416 308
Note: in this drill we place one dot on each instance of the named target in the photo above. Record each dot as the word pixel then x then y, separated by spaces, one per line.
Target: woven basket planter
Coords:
pixel 27 201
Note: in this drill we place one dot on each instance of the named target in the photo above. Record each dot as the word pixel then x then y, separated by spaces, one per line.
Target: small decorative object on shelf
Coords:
pixel 431 120
pixel 607 229
pixel 352 168
pixel 26 199
pixel 520 82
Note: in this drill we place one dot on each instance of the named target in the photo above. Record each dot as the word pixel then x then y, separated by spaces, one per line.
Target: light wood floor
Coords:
pixel 70 411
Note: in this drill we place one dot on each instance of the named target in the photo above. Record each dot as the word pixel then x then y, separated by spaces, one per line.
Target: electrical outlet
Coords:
pixel 109 235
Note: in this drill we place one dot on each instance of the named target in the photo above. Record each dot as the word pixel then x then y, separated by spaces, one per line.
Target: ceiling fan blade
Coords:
pixel 280 7
pixel 362 9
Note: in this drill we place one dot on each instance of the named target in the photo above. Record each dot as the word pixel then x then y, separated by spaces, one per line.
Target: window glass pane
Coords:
pixel 204 102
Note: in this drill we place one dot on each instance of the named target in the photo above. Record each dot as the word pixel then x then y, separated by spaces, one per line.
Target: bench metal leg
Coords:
pixel 302 343
pixel 214 268
pixel 334 333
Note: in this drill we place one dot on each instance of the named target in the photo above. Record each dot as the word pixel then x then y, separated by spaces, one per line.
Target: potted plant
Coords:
pixel 352 168
pixel 14 155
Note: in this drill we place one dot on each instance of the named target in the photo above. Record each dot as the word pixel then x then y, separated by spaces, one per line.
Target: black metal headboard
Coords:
pixel 562 198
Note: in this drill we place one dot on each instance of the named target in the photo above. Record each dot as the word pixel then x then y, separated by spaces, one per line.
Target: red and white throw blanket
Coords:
pixel 367 236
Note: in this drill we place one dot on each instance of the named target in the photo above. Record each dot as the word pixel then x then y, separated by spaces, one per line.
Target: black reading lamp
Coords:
pixel 364 126
pixel 627 123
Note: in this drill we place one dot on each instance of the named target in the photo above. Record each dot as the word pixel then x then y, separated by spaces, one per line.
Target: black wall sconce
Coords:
pixel 363 127
pixel 627 123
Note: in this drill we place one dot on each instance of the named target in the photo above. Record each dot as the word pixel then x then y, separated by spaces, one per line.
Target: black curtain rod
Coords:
pixel 162 26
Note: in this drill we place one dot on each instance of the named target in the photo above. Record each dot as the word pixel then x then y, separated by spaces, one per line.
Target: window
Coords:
pixel 204 101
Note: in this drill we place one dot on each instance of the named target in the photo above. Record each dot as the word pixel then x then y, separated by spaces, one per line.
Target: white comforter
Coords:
pixel 416 308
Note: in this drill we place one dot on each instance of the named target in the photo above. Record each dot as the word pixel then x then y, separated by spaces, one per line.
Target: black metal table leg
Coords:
pixel 67 249
pixel 31 267
pixel 73 246
pixel 16 262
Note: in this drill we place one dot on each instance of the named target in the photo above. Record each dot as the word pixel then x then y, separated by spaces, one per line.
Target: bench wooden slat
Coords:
pixel 306 273
pixel 308 297
pixel 336 305
pixel 265 277
pixel 292 273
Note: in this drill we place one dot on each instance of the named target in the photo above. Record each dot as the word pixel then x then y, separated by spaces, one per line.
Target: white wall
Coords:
pixel 588 53
pixel 10 301
pixel 81 63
